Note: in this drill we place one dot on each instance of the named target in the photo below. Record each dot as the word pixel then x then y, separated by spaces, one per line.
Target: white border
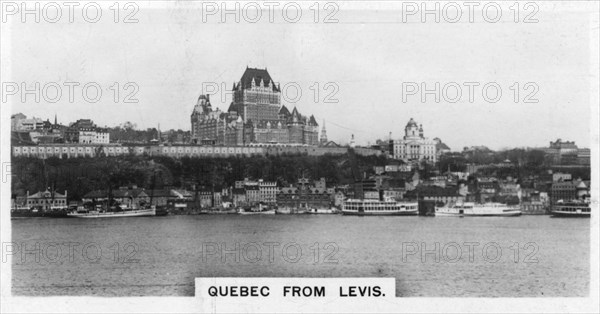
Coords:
pixel 417 305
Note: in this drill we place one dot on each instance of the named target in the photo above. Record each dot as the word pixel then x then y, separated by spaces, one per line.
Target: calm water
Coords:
pixel 162 255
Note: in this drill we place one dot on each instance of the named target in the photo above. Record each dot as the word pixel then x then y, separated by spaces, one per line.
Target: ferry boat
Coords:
pixel 259 210
pixel 322 211
pixel 473 209
pixel 574 208
pixel 114 212
pixel 388 207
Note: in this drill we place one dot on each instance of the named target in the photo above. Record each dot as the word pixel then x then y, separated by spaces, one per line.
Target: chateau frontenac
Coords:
pixel 255 116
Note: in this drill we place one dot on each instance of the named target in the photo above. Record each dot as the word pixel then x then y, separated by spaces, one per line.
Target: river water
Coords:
pixel 527 256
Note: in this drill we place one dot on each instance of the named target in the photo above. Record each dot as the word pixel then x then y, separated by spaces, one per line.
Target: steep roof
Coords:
pixel 231 108
pixel 312 121
pixel 296 115
pixel 46 194
pixel 284 110
pixel 257 75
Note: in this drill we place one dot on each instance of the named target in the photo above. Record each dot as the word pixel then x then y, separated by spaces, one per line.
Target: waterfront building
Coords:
pixel 485 190
pixel 534 202
pixel 305 195
pixel 569 190
pixel 437 194
pixel 239 196
pixel 366 188
pixel 509 188
pixel 255 116
pixel 210 197
pixel 268 191
pixel 128 196
pixel 252 194
pixel 46 200
pixel 133 196
pixel 414 146
pixel 255 191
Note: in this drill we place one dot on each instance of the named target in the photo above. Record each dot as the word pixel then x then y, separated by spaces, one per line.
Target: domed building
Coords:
pixel 414 146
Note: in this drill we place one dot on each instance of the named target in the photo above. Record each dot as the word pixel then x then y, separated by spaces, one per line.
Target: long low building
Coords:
pixel 175 151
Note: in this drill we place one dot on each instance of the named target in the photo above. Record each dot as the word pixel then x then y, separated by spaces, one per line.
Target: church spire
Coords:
pixel 323 134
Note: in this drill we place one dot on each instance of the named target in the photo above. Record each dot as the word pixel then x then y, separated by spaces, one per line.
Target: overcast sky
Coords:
pixel 368 55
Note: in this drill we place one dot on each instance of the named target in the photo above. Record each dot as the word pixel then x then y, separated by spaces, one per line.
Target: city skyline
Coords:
pixel 342 143
pixel 369 75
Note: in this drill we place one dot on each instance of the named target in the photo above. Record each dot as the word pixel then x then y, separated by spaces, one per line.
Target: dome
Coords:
pixel 411 123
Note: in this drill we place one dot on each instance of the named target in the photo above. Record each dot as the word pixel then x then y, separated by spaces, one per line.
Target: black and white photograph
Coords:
pixel 299 156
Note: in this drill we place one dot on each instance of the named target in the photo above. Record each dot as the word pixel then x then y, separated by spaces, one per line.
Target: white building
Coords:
pixel 102 136
pixel 93 136
pixel 87 136
pixel 268 191
pixel 414 146
pixel 19 122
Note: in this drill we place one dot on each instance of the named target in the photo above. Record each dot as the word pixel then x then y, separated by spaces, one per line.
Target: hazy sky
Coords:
pixel 368 54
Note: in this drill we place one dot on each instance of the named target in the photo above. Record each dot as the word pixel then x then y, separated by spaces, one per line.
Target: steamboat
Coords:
pixel 374 207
